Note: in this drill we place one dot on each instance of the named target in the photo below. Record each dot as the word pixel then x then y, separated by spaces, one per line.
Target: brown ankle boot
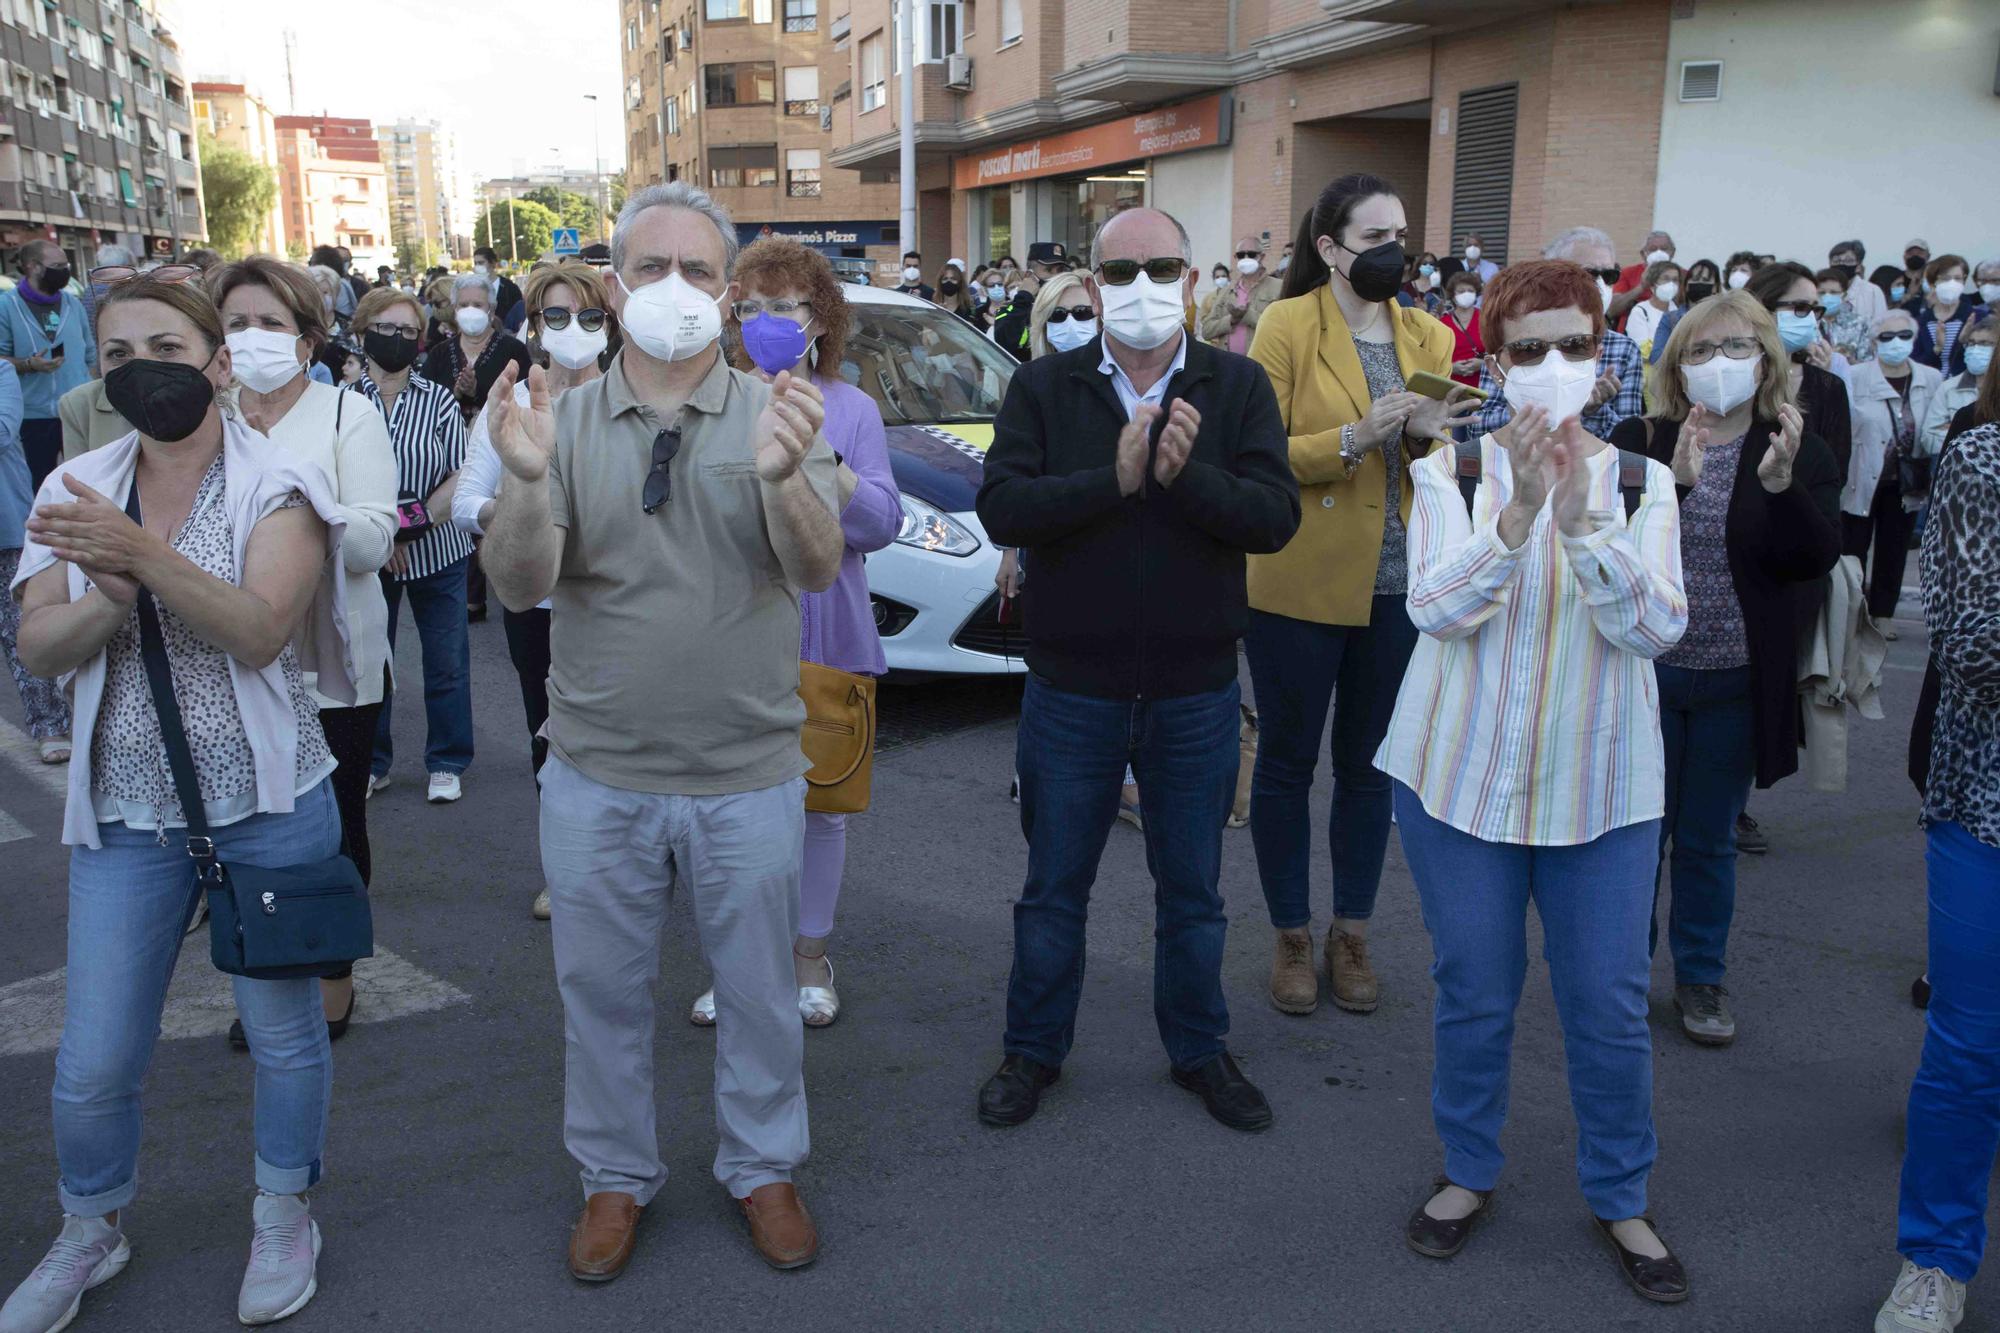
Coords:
pixel 1294 984
pixel 602 1242
pixel 1347 971
pixel 781 1229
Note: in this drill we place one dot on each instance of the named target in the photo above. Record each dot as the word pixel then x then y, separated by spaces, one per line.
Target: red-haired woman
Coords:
pixel 1525 748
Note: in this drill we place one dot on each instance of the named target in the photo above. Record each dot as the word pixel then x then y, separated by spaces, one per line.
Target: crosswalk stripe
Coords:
pixel 12 829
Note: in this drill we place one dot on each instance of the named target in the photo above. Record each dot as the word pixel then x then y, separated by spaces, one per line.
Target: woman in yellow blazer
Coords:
pixel 1328 624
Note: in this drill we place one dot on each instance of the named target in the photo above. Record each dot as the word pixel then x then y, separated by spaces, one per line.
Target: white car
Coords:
pixel 939 383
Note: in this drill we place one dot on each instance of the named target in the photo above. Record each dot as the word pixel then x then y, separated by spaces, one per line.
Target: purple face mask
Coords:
pixel 774 342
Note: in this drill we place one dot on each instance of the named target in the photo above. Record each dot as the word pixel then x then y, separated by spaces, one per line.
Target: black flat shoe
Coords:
pixel 1662 1280
pixel 1920 991
pixel 237 1041
pixel 1014 1092
pixel 1229 1097
pixel 337 1026
pixel 1443 1237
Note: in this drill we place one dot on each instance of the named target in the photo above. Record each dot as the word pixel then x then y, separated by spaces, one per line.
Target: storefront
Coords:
pixel 835 240
pixel 1063 187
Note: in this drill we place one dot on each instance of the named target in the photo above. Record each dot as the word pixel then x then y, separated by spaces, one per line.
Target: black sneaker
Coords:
pixel 1013 1094
pixel 1750 837
pixel 1229 1097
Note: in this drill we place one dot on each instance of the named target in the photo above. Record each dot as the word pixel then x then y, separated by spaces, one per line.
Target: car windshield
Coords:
pixel 924 366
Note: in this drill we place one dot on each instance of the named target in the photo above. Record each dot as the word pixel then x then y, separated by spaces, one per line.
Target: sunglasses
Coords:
pixel 1796 307
pixel 1608 274
pixel 660 482
pixel 1122 272
pixel 1531 351
pixel 1905 336
pixel 590 320
pixel 1249 254
pixel 1081 313
pixel 111 274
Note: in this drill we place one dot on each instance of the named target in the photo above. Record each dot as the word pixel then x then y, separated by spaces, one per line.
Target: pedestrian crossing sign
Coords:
pixel 566 241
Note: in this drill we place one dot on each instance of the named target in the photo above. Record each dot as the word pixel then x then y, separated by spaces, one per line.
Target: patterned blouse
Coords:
pixel 130 779
pixel 1385 376
pixel 1716 639
pixel 1961 577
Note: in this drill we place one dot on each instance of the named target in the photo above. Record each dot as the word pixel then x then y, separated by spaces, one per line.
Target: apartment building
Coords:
pixel 735 95
pixel 425 199
pixel 333 186
pixel 241 118
pixel 1038 119
pixel 97 137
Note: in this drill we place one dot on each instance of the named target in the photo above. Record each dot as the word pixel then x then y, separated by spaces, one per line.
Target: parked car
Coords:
pixel 939 383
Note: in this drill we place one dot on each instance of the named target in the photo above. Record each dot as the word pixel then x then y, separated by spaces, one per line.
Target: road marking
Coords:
pixel 200 1002
pixel 25 753
pixel 12 829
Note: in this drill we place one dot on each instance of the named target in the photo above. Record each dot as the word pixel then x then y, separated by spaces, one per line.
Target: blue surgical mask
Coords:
pixel 1898 292
pixel 1897 350
pixel 1830 302
pixel 1797 331
pixel 1427 269
pixel 1978 356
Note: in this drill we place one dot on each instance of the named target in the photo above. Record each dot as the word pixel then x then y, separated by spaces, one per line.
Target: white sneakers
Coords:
pixel 284 1256
pixel 444 787
pixel 88 1253
pixel 1924 1300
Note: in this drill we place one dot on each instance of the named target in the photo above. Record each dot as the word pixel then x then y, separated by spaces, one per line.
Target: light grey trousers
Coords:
pixel 610 856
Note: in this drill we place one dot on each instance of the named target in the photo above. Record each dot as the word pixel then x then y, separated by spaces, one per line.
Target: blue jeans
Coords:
pixel 1706 723
pixel 1298 668
pixel 1072 755
pixel 129 902
pixel 1593 900
pixel 437 602
pixel 1954 1117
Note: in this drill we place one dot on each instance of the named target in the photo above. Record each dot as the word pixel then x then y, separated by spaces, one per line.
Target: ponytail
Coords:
pixel 1308 269
pixel 1328 216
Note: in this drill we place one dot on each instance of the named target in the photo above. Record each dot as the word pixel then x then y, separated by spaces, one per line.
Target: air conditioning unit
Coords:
pixel 958 72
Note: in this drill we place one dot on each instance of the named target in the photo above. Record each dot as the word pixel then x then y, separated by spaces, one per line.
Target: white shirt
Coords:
pixel 1121 383
pixel 479 480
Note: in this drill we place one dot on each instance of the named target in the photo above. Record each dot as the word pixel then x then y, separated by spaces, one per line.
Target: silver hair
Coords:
pixel 115 254
pixel 328 280
pixel 1983 266
pixel 1097 241
pixel 1566 243
pixel 466 282
pixel 675 194
pixel 1894 315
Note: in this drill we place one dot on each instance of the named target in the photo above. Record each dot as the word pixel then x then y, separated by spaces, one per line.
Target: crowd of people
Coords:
pixel 1531 547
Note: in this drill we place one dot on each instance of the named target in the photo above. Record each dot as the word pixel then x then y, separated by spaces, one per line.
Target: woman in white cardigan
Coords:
pixel 275 323
pixel 1888 400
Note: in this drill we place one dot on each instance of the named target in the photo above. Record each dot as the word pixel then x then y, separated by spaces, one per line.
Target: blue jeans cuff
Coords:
pixel 99 1204
pixel 286 1179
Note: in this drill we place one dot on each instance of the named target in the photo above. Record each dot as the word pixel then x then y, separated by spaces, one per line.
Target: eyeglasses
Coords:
pixel 1531 351
pixel 1906 335
pixel 112 274
pixel 749 308
pixel 1121 272
pixel 1078 312
pixel 1736 349
pixel 1796 307
pixel 1249 254
pixel 660 482
pixel 590 319
pixel 407 332
pixel 1608 274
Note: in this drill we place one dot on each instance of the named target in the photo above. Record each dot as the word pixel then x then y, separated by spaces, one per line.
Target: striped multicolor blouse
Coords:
pixel 1529 713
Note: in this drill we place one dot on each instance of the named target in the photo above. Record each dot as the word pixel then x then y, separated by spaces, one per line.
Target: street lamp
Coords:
pixel 597 159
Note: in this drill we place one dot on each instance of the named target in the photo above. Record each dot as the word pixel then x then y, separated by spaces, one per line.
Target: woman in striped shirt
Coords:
pixel 1526 751
pixel 428 435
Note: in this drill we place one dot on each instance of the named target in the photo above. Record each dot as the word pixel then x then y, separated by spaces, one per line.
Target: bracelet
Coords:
pixel 1350 455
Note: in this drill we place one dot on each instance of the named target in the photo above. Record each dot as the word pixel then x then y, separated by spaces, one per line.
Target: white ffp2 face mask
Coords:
pixel 1071 334
pixel 472 321
pixel 1950 290
pixel 1559 386
pixel 1657 256
pixel 1722 384
pixel 1143 314
pixel 1667 291
pixel 1247 266
pixel 671 320
pixel 263 360
pixel 1465 298
pixel 571 348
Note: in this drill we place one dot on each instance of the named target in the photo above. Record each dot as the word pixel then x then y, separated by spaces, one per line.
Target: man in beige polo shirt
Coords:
pixel 673 509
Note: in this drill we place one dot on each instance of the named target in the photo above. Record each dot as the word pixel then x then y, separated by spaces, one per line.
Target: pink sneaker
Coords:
pixel 89 1252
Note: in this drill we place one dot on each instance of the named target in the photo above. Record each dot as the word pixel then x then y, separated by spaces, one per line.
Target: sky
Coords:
pixel 507 77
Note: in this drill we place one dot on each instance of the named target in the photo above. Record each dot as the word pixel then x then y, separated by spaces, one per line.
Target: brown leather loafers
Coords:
pixel 602 1242
pixel 781 1229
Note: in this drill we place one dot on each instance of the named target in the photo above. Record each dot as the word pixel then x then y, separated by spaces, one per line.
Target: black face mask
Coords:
pixel 1700 291
pixel 1914 261
pixel 1376 273
pixel 54 278
pixel 164 400
pixel 389 351
pixel 1847 271
pixel 947 289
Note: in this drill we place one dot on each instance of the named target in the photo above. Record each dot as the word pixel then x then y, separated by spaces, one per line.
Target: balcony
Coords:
pixel 186 173
pixel 801 189
pixel 805 106
pixel 180 118
pixel 802 23
pixel 140 43
pixel 145 99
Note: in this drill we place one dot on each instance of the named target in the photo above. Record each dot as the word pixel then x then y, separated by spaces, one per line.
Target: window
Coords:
pixel 802 90
pixel 107 184
pixel 801 15
pixel 1010 21
pixel 726 11
pixel 631 34
pixel 633 95
pixel 750 83
pixel 743 166
pixel 90 46
pixel 760 11
pixel 943 30
pixel 874 84
pixel 802 173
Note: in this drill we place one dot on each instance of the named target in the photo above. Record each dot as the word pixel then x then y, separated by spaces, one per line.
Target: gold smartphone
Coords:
pixel 1437 386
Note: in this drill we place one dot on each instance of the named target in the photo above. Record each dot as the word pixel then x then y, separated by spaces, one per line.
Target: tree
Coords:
pixel 575 210
pixel 618 191
pixel 534 229
pixel 237 191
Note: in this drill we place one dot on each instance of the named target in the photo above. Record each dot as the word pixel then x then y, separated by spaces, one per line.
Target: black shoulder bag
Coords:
pixel 266 922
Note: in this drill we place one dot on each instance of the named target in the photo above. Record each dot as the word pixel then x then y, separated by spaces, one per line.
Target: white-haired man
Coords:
pixel 674 510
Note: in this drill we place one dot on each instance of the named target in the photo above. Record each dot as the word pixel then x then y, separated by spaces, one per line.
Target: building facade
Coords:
pixel 424 193
pixel 736 96
pixel 333 187
pixel 97 132
pixel 240 118
pixel 1037 119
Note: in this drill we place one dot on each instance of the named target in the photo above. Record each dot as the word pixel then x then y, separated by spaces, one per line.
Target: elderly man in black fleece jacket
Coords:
pixel 1136 472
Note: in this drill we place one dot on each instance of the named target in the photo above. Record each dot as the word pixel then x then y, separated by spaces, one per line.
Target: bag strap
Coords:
pixel 173 734
pixel 1468 471
pixel 339 406
pixel 1631 475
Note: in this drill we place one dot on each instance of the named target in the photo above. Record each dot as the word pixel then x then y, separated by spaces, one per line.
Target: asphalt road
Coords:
pixel 449 1197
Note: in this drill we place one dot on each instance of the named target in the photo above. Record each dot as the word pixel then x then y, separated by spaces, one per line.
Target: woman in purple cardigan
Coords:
pixel 791 310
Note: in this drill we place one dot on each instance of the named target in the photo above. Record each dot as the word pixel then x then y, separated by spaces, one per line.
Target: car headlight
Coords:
pixel 929 528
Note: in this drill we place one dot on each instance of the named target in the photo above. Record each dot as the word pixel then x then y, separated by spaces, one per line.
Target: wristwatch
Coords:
pixel 1350 448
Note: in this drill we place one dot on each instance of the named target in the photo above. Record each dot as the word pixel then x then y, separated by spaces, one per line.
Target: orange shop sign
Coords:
pixel 1203 123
